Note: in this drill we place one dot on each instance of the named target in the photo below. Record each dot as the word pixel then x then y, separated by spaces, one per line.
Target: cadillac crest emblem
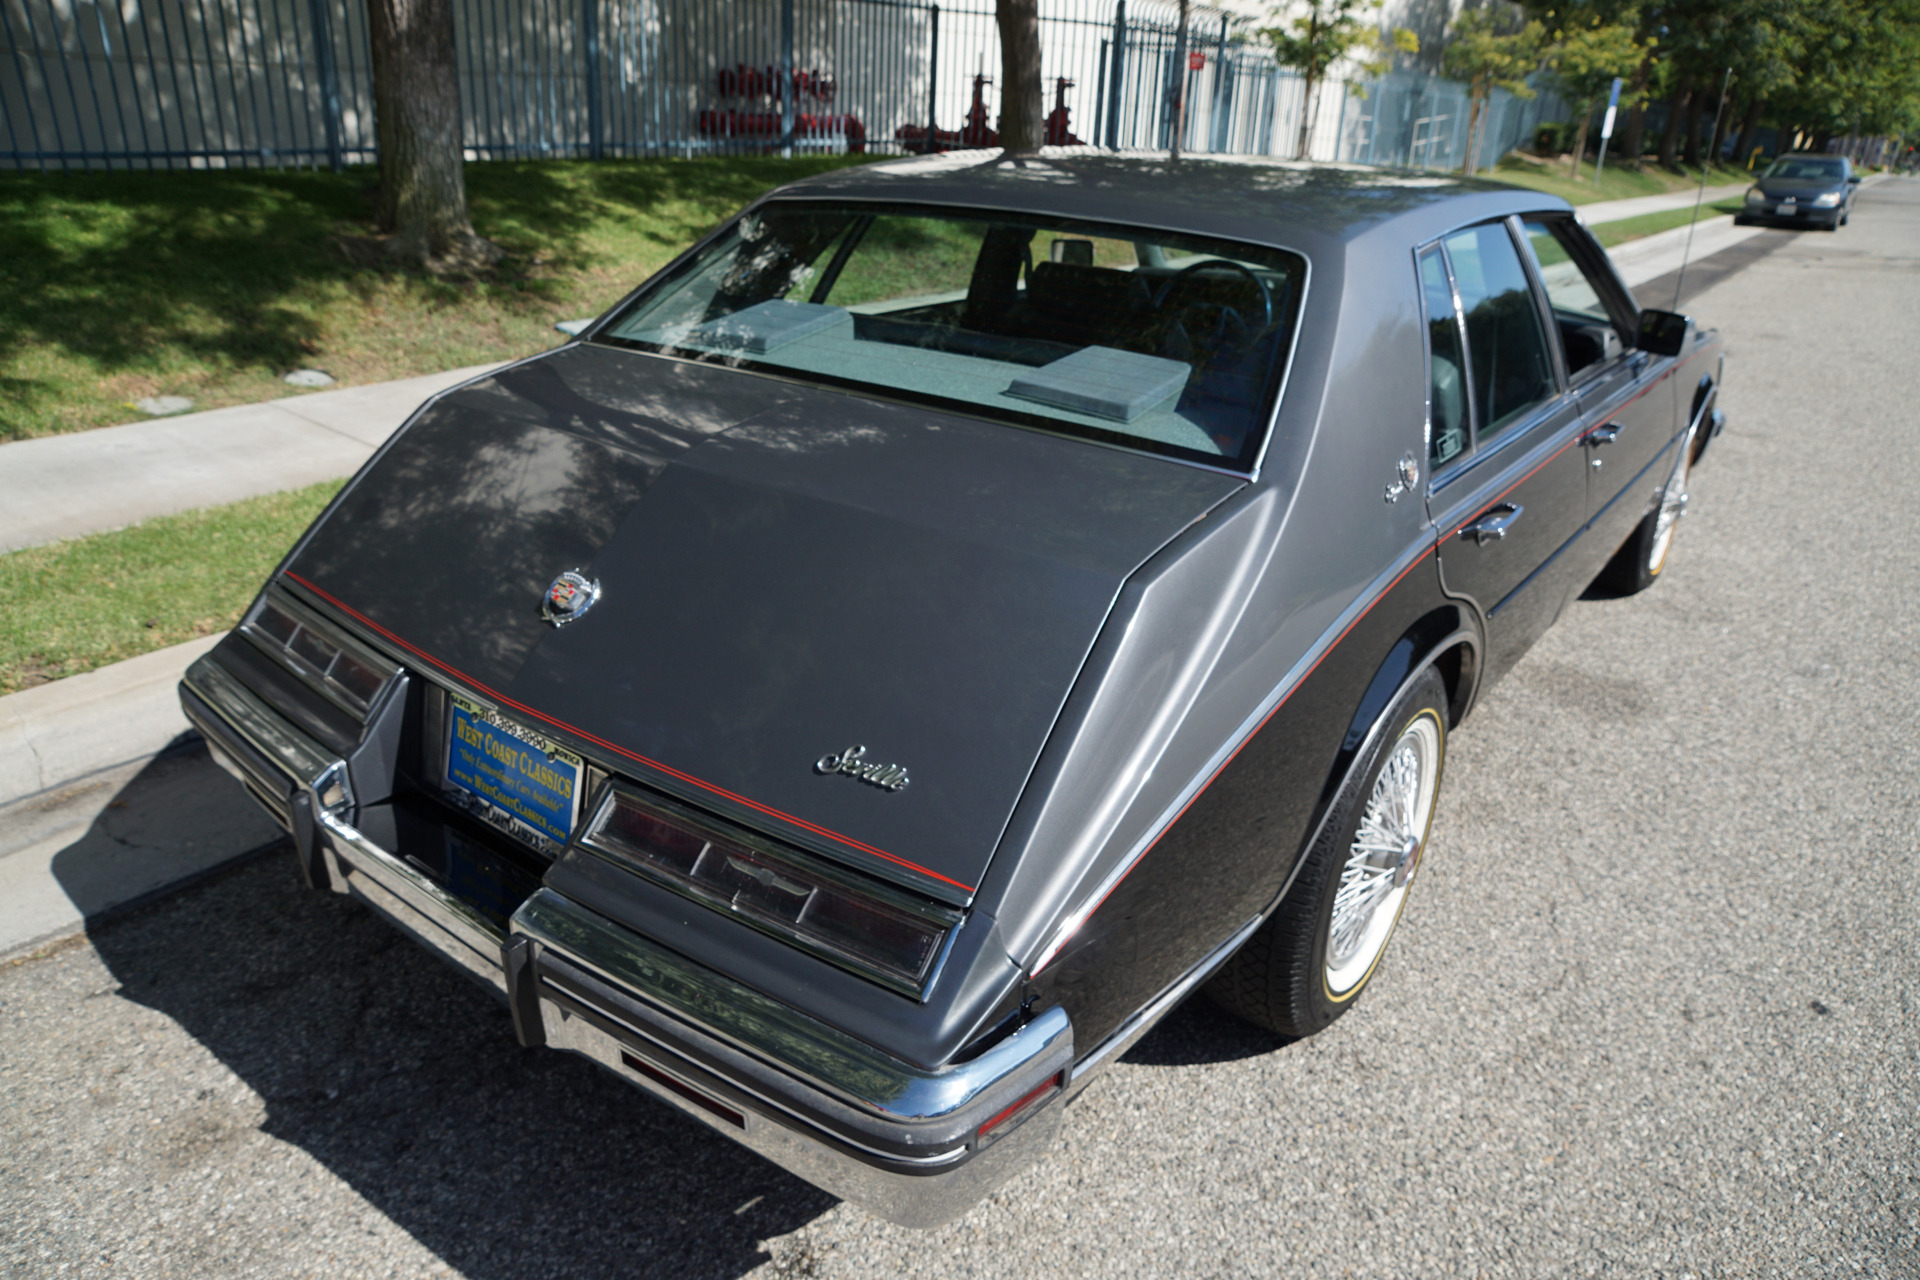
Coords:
pixel 570 596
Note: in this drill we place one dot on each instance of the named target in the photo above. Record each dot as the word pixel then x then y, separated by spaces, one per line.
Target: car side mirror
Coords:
pixel 1664 333
pixel 1853 180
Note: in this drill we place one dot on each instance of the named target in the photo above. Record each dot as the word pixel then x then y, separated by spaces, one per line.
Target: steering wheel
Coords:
pixel 1184 279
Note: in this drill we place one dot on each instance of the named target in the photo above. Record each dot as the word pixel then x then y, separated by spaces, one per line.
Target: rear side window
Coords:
pixel 1447 396
pixel 1512 371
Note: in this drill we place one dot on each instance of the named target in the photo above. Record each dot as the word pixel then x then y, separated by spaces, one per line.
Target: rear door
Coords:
pixel 1509 482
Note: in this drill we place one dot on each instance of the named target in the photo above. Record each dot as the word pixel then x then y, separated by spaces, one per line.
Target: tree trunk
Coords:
pixel 1312 79
pixel 1722 121
pixel 416 106
pixel 1306 117
pixel 1633 137
pixel 1474 100
pixel 1177 103
pixel 1670 134
pixel 1632 133
pixel 1696 118
pixel 1580 139
pixel 1022 114
pixel 1749 126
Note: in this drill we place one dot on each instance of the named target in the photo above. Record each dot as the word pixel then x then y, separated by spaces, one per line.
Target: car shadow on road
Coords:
pixel 401 1078
pixel 1196 1034
pixel 138 831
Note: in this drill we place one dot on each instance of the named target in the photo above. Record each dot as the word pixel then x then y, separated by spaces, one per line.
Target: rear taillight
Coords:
pixel 880 933
pixel 344 671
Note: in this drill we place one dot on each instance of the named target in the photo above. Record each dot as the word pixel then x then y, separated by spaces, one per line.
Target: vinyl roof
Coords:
pixel 1240 197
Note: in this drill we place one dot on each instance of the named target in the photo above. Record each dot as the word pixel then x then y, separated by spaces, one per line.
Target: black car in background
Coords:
pixel 1804 190
pixel 952 613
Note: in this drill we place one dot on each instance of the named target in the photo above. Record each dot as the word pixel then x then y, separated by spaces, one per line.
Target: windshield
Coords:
pixel 1169 343
pixel 1803 168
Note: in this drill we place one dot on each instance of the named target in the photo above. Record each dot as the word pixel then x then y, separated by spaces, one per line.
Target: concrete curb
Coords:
pixel 1650 257
pixel 57 734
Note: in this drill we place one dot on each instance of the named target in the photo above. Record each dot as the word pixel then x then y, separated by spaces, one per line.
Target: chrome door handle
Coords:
pixel 1604 435
pixel 1493 526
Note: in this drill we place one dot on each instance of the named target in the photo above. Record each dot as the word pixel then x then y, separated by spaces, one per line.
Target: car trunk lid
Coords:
pixel 795 582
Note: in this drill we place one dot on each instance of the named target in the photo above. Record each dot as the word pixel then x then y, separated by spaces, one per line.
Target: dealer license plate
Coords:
pixel 515 778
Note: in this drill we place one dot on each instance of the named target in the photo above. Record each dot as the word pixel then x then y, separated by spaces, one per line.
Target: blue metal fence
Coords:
pixel 227 83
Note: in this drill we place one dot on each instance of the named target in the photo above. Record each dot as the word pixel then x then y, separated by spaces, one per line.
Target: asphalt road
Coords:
pixel 1654 1009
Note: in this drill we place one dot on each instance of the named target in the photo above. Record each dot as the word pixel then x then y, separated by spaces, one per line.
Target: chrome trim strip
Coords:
pixel 830 1060
pixel 415 902
pixel 581 1037
pixel 1706 405
pixel 1131 1031
pixel 260 726
pixel 356 864
pixel 912 1192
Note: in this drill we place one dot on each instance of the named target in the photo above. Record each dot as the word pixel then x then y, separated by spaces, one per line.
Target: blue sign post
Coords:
pixel 1606 129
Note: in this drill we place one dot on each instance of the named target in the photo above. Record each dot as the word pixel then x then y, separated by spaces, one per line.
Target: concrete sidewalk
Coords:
pixel 1620 210
pixel 69 486
pixel 106 798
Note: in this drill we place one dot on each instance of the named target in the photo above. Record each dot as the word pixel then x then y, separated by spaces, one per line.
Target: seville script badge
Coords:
pixel 853 763
pixel 570 596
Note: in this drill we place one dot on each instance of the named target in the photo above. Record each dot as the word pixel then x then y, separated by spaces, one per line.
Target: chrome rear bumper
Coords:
pixel 915 1145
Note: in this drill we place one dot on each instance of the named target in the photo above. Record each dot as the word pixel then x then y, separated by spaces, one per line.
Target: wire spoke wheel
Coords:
pixel 1384 855
pixel 1323 943
pixel 1673 505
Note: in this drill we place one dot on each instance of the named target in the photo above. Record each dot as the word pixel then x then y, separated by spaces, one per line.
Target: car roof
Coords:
pixel 1259 199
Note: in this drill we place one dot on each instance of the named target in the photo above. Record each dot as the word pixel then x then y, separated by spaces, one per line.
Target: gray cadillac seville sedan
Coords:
pixel 949 615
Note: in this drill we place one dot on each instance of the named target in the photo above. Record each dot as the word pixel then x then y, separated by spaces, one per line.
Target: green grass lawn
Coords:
pixel 144 588
pixel 1625 229
pixel 1617 182
pixel 213 285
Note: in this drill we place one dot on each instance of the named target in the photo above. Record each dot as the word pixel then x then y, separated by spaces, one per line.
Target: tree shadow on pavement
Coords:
pixel 402 1078
pixel 200 280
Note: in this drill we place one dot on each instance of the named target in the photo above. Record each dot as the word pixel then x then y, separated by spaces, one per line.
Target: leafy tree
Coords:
pixel 1487 57
pixel 1330 30
pixel 1583 56
pixel 1644 19
pixel 1855 69
pixel 416 108
pixel 1815 68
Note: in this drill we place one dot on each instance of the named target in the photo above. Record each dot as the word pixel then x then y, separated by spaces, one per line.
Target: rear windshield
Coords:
pixel 1796 167
pixel 1170 343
